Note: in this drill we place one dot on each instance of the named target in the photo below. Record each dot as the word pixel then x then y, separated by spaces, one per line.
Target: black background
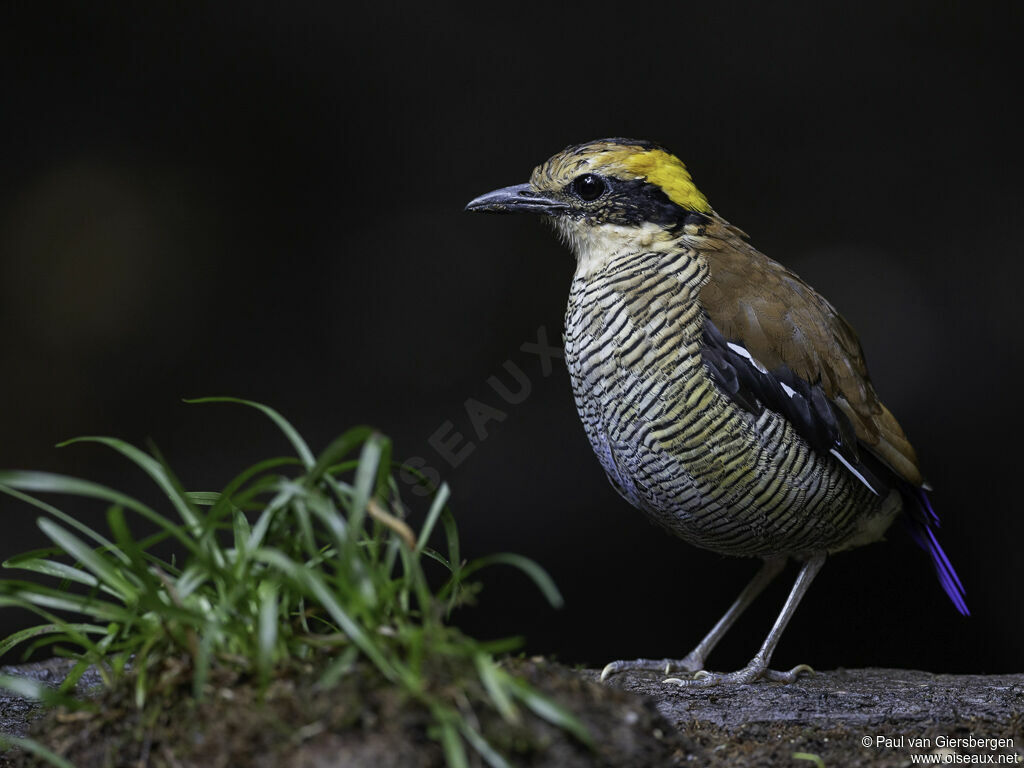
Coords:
pixel 265 201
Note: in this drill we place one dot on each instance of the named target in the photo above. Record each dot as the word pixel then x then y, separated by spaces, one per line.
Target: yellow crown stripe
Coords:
pixel 669 173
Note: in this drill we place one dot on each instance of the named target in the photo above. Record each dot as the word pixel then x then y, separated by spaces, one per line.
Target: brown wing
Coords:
pixel 781 320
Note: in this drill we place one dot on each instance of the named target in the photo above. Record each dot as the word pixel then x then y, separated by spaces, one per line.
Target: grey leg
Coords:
pixel 758 666
pixel 694 661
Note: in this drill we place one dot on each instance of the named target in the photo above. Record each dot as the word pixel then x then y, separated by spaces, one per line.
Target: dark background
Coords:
pixel 265 201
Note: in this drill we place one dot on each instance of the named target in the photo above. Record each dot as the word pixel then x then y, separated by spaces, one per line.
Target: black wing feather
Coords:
pixel 804 404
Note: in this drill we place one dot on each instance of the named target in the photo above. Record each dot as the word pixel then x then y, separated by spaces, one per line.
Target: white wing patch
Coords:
pixel 855 473
pixel 742 351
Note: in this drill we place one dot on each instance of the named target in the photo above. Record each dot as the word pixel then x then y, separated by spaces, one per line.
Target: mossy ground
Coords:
pixel 365 721
pixel 361 721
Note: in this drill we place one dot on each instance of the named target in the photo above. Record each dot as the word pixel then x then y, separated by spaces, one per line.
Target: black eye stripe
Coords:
pixel 589 186
pixel 629 202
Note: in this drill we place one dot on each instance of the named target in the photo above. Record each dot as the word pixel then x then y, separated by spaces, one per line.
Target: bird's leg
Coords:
pixel 694 661
pixel 758 666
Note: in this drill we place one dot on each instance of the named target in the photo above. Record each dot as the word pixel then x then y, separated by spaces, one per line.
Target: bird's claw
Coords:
pixel 750 673
pixel 663 666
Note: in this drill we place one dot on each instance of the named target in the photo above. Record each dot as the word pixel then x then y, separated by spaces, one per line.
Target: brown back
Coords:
pixel 781 320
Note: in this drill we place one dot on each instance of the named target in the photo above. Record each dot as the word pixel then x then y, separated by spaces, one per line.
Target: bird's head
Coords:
pixel 607 196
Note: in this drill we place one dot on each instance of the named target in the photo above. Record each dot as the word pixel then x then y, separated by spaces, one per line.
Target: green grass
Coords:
pixel 298 558
pixel 808 756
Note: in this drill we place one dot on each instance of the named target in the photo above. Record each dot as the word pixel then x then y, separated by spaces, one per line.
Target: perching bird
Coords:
pixel 722 395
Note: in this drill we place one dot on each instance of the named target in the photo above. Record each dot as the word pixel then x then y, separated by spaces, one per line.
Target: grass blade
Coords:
pixel 550 710
pixel 313 563
pixel 90 558
pixel 30 562
pixel 24 687
pixel 316 588
pixel 365 480
pixel 267 635
pixel 203 498
pixel 479 743
pixel 454 751
pixel 27 594
pixel 339 447
pixel 16 639
pixel 495 681
pixel 30 745
pixel 810 757
pixel 46 482
pixel 440 499
pixel 156 471
pixel 301 449
pixel 539 576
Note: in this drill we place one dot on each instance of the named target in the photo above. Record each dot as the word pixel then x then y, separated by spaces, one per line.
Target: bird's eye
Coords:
pixel 588 186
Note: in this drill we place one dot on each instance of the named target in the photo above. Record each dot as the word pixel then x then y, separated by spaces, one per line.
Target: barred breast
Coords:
pixel 674 445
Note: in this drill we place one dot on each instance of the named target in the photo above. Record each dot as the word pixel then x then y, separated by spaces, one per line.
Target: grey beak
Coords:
pixel 520 198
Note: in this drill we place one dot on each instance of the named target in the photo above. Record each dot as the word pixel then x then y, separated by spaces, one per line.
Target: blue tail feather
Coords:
pixel 922 522
pixel 926 505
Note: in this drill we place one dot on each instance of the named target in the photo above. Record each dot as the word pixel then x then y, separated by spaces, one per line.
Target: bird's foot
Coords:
pixel 753 671
pixel 691 663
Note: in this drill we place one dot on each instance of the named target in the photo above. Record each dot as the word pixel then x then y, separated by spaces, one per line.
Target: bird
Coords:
pixel 723 396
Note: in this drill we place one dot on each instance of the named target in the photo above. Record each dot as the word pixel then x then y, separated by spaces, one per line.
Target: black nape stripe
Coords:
pixel 695 219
